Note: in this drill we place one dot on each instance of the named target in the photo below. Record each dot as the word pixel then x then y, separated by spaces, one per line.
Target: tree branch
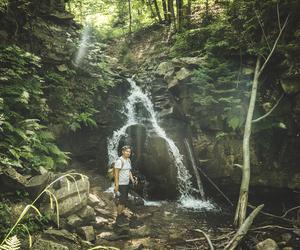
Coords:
pixel 243 229
pixel 206 237
pixel 278 17
pixel 263 31
pixel 269 112
pixel 274 46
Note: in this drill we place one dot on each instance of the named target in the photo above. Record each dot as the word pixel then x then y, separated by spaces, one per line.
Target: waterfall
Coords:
pixel 136 95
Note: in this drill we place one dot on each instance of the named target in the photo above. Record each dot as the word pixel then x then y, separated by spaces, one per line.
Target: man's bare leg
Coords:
pixel 120 209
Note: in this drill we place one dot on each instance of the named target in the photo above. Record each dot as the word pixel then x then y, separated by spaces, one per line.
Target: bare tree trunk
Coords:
pixel 130 16
pixel 157 11
pixel 166 16
pixel 241 209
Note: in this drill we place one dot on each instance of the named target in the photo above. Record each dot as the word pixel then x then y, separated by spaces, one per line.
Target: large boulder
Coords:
pixel 159 168
pixel 290 86
pixel 49 245
pixel 164 68
pixel 87 233
pixel 70 198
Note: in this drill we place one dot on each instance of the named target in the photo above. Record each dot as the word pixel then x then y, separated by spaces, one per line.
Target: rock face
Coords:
pixel 274 165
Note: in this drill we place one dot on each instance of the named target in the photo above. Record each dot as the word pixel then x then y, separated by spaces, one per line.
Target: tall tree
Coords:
pixel 157 11
pixel 179 8
pixel 171 12
pixel 130 16
pixel 166 16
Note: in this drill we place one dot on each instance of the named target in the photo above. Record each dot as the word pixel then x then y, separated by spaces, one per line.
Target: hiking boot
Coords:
pixel 135 222
pixel 121 220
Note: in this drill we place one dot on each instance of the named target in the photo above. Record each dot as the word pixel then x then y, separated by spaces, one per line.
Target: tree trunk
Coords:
pixel 157 11
pixel 130 17
pixel 151 9
pixel 166 16
pixel 206 8
pixel 179 7
pixel 241 209
pixel 171 12
pixel 189 9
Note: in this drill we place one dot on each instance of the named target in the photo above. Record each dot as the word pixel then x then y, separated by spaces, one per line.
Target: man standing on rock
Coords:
pixel 123 175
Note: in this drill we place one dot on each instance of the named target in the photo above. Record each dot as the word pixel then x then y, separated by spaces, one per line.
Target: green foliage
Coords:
pixel 214 88
pixel 5 217
pixel 24 142
pixel 84 118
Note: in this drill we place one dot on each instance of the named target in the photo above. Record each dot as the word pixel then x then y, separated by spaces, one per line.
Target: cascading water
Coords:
pixel 184 178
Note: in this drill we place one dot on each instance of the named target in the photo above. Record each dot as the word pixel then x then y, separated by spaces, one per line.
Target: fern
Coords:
pixel 12 243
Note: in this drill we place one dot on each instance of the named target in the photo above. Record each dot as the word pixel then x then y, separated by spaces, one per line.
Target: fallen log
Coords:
pixel 243 229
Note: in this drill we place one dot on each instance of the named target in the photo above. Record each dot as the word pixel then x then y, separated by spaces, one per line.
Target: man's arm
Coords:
pixel 117 171
pixel 131 176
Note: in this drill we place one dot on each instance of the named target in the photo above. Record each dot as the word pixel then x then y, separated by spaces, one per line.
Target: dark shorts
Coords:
pixel 123 198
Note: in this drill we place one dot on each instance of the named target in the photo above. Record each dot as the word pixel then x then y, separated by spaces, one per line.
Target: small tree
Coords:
pixel 241 209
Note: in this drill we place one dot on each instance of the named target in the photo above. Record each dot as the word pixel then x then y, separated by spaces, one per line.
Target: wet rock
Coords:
pixel 183 74
pixel 267 244
pixel 94 200
pixel 74 221
pixel 158 166
pixel 177 235
pixel 100 222
pixel 140 232
pixel 10 179
pixel 72 205
pixel 104 235
pixel 81 186
pixel 87 233
pixel 49 245
pixel 286 237
pixel 60 235
pixel 188 61
pixel 71 198
pixel 103 212
pixel 37 183
pixel 143 243
pixel 164 67
pixel 87 214
pixel 290 86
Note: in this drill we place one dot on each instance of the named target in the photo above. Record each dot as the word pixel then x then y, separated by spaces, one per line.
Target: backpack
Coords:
pixel 111 171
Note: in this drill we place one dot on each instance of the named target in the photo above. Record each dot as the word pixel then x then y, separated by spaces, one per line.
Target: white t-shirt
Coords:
pixel 124 172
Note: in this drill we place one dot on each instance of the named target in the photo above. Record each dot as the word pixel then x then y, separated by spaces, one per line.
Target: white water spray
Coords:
pixel 84 40
pixel 184 178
